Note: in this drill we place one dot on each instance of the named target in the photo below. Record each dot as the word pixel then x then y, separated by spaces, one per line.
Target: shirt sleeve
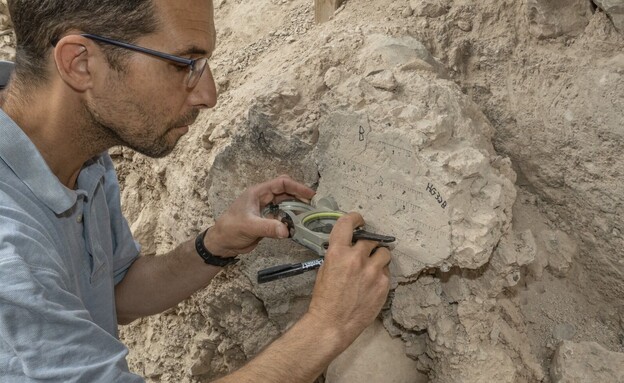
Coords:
pixel 48 329
pixel 126 249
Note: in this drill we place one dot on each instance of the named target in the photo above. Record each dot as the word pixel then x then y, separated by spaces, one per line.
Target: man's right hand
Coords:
pixel 352 285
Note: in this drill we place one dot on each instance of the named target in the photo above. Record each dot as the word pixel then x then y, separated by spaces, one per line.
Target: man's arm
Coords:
pixel 300 355
pixel 350 290
pixel 154 284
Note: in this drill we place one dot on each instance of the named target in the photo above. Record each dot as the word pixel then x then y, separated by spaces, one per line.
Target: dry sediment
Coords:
pixel 485 288
pixel 485 135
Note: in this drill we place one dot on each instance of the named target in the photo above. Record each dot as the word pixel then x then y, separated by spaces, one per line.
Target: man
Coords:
pixel 69 269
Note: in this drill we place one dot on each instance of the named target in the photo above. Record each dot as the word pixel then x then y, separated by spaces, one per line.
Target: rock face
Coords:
pixel 372 119
pixel 366 89
pixel 360 108
pixel 375 357
pixel 430 8
pixel 7 42
pixel 586 362
pixel 552 18
pixel 615 10
pixel 424 169
pixel 402 145
pixel 586 131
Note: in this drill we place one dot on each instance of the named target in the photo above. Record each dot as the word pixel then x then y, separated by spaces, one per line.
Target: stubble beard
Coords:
pixel 135 134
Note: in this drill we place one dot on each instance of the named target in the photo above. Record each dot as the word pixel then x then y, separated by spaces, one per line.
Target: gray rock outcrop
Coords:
pixel 586 362
pixel 615 10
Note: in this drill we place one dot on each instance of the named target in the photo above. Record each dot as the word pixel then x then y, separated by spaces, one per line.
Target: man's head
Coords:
pixel 39 22
pixel 126 97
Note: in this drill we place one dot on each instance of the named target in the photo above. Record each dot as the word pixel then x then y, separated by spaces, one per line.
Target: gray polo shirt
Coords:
pixel 61 253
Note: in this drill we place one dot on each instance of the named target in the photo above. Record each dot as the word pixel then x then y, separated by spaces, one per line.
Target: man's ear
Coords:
pixel 75 58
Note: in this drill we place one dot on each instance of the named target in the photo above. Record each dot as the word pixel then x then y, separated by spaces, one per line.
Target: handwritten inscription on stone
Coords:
pixel 381 175
pixel 436 193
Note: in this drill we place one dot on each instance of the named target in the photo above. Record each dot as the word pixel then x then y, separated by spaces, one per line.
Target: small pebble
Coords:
pixel 407 12
pixel 464 25
pixel 564 331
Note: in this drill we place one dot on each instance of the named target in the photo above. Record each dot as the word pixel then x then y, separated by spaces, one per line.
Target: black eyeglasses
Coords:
pixel 196 66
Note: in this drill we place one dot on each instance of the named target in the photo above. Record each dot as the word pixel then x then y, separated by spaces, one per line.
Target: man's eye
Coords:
pixel 180 68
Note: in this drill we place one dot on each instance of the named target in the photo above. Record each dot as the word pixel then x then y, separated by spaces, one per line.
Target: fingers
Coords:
pixel 342 233
pixel 241 223
pixel 381 257
pixel 269 228
pixel 282 186
pixel 365 247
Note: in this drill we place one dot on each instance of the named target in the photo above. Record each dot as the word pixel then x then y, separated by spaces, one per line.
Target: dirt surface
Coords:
pixel 511 110
pixel 547 77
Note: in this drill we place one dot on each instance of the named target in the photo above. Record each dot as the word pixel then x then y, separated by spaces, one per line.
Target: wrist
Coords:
pixel 212 242
pixel 330 336
pixel 210 257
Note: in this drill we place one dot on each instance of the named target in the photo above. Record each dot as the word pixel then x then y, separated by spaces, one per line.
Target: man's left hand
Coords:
pixel 241 227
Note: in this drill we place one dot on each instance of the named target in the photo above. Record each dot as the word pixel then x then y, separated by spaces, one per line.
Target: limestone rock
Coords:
pixel 589 197
pixel 564 331
pixel 7 53
pixel 586 362
pixel 374 357
pixel 333 77
pixel 513 251
pixel 553 18
pixel 489 364
pixel 561 250
pixel 144 229
pixel 615 10
pixel 5 22
pixel 202 353
pixel 386 52
pixel 448 139
pixel 414 303
pixel 430 8
pixel 415 345
pixel 407 12
pixel 382 80
pixel 422 168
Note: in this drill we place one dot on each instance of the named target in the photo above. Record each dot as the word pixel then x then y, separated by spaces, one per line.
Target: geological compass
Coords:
pixel 310 225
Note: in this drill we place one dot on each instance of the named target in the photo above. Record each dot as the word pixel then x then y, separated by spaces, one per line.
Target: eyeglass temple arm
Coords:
pixel 180 60
pixel 137 48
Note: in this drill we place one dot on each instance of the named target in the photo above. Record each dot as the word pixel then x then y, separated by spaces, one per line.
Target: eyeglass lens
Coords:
pixel 197 70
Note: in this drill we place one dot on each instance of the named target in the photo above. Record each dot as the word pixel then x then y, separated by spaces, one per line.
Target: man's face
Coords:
pixel 148 107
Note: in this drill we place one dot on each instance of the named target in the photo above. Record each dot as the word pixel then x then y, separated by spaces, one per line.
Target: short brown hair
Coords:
pixel 39 22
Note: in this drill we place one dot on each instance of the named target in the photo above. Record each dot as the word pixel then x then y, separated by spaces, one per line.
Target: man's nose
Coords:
pixel 204 95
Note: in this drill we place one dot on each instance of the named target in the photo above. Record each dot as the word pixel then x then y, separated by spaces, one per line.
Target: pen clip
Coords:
pixel 363 234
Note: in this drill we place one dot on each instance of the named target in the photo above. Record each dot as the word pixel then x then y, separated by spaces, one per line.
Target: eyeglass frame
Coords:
pixel 191 63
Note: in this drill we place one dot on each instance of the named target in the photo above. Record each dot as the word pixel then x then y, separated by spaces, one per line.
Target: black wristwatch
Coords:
pixel 207 256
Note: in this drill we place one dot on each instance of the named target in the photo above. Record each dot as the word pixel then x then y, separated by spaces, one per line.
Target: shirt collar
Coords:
pixel 21 155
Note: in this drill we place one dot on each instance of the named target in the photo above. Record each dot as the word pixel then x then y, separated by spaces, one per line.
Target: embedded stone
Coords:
pixel 553 18
pixel 586 362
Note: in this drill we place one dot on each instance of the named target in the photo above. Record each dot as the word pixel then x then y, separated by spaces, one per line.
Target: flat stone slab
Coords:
pixel 586 362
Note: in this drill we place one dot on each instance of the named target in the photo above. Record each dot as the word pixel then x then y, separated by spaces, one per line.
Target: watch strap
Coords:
pixel 207 256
